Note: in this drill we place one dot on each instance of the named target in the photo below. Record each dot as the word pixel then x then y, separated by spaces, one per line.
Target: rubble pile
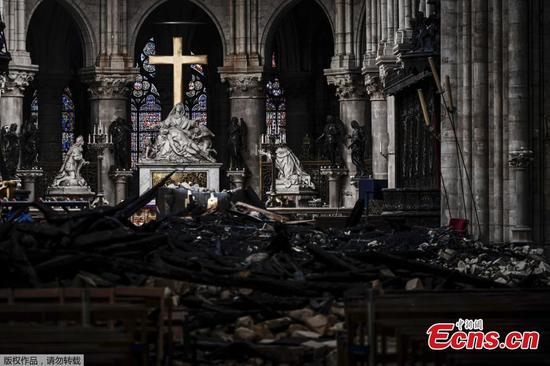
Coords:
pixel 249 283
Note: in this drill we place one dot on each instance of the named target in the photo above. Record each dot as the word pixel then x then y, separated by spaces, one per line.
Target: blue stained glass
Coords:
pixel 67 119
pixel 145 103
pixel 275 107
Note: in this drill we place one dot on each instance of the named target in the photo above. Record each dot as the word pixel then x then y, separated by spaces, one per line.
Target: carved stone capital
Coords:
pixel 374 87
pixel 349 84
pixel 17 80
pixel 241 85
pixel 520 158
pixel 109 84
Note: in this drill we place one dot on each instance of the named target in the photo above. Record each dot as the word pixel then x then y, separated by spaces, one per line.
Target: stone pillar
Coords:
pixel 518 116
pixel 498 191
pixel 449 152
pixel 109 92
pixel 247 101
pixel 379 131
pixel 121 178
pixel 480 117
pixel 334 176
pixel 18 79
pixel 465 122
pixel 404 31
pixel 353 106
pixel 390 106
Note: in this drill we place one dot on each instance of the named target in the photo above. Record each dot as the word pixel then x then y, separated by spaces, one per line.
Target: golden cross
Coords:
pixel 178 59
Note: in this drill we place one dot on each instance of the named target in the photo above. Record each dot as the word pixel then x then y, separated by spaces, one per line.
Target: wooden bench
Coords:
pixel 109 311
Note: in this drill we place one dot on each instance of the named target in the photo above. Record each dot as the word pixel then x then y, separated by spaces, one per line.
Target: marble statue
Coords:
pixel 357 147
pixel 29 144
pixel 237 142
pixel 69 173
pixel 332 139
pixel 181 140
pixel 10 146
pixel 290 170
pixel 121 132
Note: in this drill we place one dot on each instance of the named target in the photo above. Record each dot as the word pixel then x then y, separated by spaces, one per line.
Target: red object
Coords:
pixel 459 225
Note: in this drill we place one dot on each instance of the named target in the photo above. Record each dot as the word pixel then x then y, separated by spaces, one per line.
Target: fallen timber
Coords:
pixel 243 275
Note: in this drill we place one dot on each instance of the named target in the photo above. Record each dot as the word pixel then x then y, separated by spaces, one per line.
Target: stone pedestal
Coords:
pixel 334 176
pixel 121 178
pixel 205 175
pixel 297 194
pixel 237 178
pixel 28 179
pixel 70 192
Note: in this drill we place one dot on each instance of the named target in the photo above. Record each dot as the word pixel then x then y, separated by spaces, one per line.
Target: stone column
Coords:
pixel 109 92
pixel 518 116
pixel 480 117
pixel 379 131
pixel 465 122
pixel 449 152
pixel 353 106
pixel 18 79
pixel 21 72
pixel 498 191
pixel 247 101
pixel 390 106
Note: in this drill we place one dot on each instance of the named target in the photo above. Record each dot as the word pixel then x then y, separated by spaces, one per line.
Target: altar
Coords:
pixel 183 144
pixel 203 175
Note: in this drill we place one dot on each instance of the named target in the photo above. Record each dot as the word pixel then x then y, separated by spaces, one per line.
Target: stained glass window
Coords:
pixel 275 109
pixel 67 117
pixel 145 108
pixel 195 96
pixel 34 105
pixel 67 120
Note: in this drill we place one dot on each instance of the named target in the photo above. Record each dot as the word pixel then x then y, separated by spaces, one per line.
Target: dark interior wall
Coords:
pixel 55 45
pixel 303 45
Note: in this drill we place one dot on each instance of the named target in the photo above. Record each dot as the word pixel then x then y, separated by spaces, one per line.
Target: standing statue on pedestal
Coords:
pixel 237 143
pixel 357 147
pixel 29 144
pixel 121 132
pixel 69 173
pixel 10 146
pixel 332 138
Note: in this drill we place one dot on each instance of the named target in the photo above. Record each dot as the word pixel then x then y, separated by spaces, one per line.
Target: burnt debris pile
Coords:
pixel 246 277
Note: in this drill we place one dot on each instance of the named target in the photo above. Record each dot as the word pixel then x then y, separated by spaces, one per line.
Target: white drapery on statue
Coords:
pixel 182 140
pixel 290 170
